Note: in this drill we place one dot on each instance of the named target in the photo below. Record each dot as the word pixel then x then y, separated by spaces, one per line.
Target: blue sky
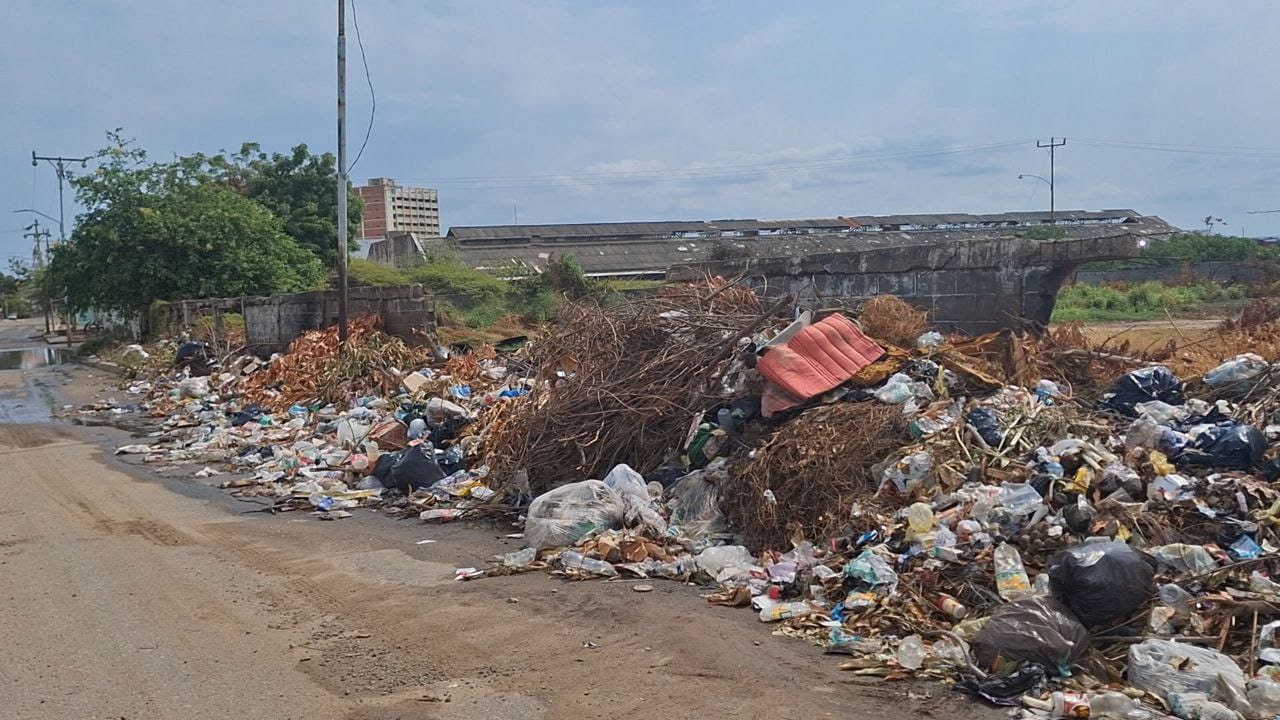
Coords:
pixel 598 111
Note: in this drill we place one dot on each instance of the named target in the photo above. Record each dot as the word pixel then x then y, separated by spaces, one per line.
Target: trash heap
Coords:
pixel 1038 521
pixel 325 431
pixel 926 509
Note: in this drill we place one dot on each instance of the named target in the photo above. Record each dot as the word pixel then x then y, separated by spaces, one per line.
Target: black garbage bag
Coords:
pixel 1037 630
pixel 1004 689
pixel 1238 447
pixel 250 414
pixel 409 469
pixel 194 355
pixel 1271 471
pixel 1144 385
pixel 987 423
pixel 1102 582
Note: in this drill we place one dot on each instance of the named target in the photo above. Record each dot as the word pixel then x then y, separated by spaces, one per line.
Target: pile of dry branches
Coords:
pixel 816 467
pixel 621 384
pixel 891 319
pixel 314 370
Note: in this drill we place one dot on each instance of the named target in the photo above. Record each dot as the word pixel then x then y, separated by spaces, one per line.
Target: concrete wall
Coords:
pixel 272 322
pixel 974 286
pixel 398 249
pixel 1231 272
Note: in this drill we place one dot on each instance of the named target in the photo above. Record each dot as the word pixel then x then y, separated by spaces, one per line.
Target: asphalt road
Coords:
pixel 132 594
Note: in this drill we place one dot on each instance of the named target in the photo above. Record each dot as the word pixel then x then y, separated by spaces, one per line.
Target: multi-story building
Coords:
pixel 389 207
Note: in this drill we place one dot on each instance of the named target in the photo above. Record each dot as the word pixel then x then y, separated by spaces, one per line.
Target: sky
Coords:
pixel 594 111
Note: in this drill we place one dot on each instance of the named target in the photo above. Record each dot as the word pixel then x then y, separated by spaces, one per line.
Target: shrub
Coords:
pixel 366 272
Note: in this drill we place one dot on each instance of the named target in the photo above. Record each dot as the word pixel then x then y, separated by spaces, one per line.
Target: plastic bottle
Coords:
pixel 952 607
pixel 1011 577
pixel 520 558
pixel 417 428
pixel 441 514
pixel 571 559
pixel 910 653
pixel 783 611
pixel 1174 596
pixel 920 518
pixel 1117 706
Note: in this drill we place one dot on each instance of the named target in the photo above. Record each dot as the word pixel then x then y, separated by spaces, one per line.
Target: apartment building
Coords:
pixel 389 207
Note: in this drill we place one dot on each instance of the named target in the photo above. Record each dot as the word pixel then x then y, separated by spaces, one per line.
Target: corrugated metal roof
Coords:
pixel 655 255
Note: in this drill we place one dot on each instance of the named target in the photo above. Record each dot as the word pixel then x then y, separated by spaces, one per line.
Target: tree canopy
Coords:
pixel 165 231
pixel 298 188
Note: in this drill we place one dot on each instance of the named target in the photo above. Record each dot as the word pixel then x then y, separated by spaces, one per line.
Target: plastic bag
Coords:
pixel 1144 385
pixel 1038 629
pixel 1184 558
pixel 1101 581
pixel 1264 697
pixel 627 481
pixel 872 570
pixel 987 423
pixel 695 503
pixel 567 514
pixel 715 560
pixel 408 470
pixel 1239 369
pixel 909 473
pixel 1164 667
pixel 1268 651
pixel 1238 447
pixel 929 340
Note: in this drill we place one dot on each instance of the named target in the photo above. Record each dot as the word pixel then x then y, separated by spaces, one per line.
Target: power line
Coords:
pixel 373 99
pixel 1213 151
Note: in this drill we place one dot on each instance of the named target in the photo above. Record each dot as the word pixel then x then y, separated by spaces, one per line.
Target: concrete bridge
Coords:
pixel 974 285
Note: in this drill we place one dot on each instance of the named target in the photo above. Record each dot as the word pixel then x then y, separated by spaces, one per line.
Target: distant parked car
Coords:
pixel 11 316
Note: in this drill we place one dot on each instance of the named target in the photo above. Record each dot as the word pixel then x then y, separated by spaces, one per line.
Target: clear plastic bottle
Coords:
pixel 910 653
pixel 520 558
pixel 1116 706
pixel 1011 576
pixel 782 611
pixel 1173 596
pixel 572 559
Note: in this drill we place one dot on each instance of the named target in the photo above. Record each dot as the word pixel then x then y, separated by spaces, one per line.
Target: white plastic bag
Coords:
pixel 569 513
pixel 1164 667
pixel 1238 369
pixel 627 481
pixel 695 502
pixel 715 560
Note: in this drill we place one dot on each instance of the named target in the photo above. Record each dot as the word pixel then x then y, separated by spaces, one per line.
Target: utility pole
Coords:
pixel 342 172
pixel 36 232
pixel 1053 144
pixel 59 164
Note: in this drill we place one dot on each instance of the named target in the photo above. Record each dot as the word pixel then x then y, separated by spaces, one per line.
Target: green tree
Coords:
pixel 164 232
pixel 299 189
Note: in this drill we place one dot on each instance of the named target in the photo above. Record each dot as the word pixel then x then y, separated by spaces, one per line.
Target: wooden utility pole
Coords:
pixel 1053 144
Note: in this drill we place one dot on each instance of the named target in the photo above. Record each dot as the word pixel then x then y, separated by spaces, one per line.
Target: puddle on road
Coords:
pixel 31 358
pixel 26 398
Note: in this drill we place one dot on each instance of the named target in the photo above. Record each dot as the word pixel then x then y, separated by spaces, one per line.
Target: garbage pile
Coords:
pixel 1039 522
pixel 321 430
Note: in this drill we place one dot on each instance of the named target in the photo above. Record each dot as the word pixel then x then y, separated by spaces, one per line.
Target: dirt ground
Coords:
pixel 130 595
pixel 1152 334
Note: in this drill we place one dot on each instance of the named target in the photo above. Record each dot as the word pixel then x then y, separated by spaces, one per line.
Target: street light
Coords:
pixel 1046 181
pixel 46 217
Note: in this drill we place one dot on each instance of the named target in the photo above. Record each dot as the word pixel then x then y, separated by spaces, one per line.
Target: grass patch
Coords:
pixel 369 273
pixel 1143 301
pixel 634 285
